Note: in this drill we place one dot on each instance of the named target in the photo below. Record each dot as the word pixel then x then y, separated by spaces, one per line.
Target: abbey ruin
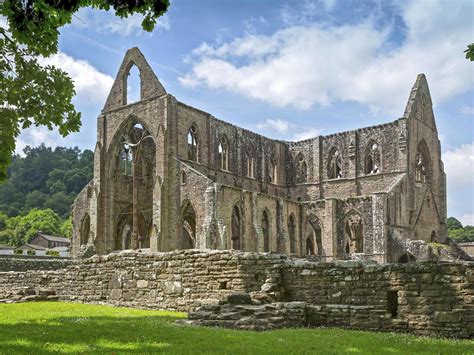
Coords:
pixel 169 176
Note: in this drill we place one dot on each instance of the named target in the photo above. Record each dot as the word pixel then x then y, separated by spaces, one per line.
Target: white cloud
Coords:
pixel 467 219
pixel 91 85
pixel 311 133
pixel 317 64
pixel 459 166
pixel 34 136
pixel 277 125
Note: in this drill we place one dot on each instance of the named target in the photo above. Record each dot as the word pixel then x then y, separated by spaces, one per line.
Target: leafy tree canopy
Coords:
pixel 20 230
pixel 457 232
pixel 45 178
pixel 453 223
pixel 32 94
pixel 470 52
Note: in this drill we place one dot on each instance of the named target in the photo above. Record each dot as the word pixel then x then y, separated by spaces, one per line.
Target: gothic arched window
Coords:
pixel 373 163
pixel 250 162
pixel 223 153
pixel 193 143
pixel 125 159
pixel 272 172
pixel 353 234
pixel 301 169
pixel 292 233
pixel 236 228
pixel 335 165
pixel 266 231
pixel 422 163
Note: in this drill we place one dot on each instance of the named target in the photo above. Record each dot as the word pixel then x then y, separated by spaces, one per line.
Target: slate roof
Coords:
pixel 53 238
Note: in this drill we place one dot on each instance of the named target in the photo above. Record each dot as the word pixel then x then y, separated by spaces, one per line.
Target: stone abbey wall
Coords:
pixel 170 176
pixel 426 298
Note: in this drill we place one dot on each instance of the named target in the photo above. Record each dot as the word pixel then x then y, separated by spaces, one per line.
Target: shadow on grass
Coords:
pixel 91 333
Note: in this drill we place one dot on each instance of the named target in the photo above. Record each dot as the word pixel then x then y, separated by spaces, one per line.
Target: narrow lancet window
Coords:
pixel 193 144
pixel 335 165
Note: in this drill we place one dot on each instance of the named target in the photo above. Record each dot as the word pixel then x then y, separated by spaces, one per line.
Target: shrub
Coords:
pixel 31 252
pixel 52 253
pixel 18 251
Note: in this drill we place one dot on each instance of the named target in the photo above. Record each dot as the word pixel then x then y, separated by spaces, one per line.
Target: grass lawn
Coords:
pixel 51 327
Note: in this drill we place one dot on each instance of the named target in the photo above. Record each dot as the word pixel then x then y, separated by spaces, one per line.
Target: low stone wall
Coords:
pixel 181 280
pixel 25 263
pixel 425 298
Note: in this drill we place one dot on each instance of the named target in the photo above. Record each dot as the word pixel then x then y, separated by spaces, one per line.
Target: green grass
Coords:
pixel 54 327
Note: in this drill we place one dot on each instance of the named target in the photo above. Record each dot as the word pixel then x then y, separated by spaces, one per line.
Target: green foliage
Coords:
pixel 454 223
pixel 33 94
pixel 462 235
pixel 18 252
pixel 20 230
pixel 46 221
pixel 3 220
pixel 470 52
pixel 56 327
pixel 45 178
pixel 66 228
pixel 52 252
pixel 31 252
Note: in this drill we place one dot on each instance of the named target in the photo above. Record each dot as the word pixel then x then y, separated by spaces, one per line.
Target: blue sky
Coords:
pixel 290 69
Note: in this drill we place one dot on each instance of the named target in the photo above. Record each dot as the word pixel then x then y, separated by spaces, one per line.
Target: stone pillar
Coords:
pixel 379 230
pixel 329 239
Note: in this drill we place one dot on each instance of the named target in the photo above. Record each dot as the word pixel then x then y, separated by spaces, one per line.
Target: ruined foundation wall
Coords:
pixel 426 298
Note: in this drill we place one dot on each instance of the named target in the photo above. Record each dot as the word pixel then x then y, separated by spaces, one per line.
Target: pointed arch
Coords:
pixel 85 229
pixel 188 226
pixel 193 143
pixel 265 225
pixel 123 234
pixel 373 158
pixel 236 228
pixel 334 164
pixel 250 161
pixel 150 86
pixel 422 163
pixel 292 232
pixel 223 152
pixel 132 84
pixel 301 169
pixel 353 233
pixel 313 235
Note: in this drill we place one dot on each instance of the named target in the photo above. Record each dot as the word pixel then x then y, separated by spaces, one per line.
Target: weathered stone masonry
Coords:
pixel 425 298
pixel 169 176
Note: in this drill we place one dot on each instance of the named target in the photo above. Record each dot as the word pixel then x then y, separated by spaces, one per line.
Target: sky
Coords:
pixel 289 69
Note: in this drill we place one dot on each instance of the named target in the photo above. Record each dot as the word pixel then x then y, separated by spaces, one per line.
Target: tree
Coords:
pixel 470 52
pixel 66 228
pixel 41 95
pixel 35 221
pixel 45 178
pixel 453 223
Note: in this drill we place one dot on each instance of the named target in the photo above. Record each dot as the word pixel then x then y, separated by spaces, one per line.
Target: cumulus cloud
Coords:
pixel 459 165
pixel 277 125
pixel 318 64
pixel 311 133
pixel 92 86
pixel 467 219
pixel 34 136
